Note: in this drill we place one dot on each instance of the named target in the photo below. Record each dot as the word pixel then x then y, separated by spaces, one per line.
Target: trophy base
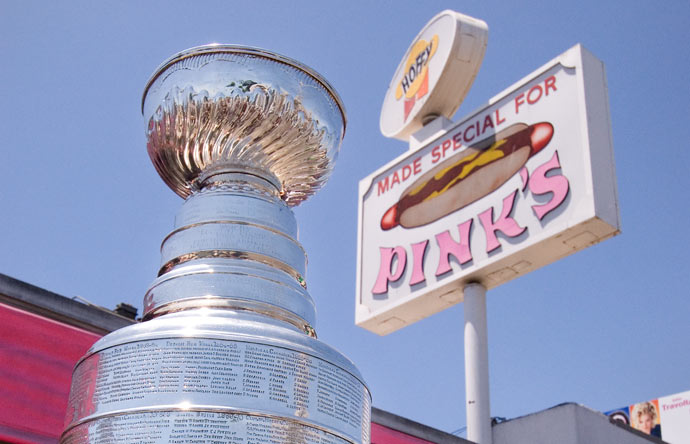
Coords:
pixel 216 376
pixel 199 427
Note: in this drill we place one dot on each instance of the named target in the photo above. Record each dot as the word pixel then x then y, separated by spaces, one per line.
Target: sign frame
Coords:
pixel 597 217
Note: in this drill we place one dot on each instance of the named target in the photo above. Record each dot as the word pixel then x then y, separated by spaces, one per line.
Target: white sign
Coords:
pixel 667 418
pixel 435 74
pixel 522 182
pixel 674 416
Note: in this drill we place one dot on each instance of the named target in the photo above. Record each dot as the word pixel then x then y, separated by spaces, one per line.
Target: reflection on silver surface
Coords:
pixel 228 351
pixel 219 108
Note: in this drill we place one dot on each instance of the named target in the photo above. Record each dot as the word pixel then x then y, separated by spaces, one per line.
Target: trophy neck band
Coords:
pixel 216 176
pixel 234 246
pixel 248 50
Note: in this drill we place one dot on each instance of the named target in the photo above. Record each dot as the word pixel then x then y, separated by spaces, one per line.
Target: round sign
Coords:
pixel 435 74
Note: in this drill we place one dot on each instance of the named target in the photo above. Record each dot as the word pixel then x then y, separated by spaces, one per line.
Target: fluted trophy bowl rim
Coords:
pixel 284 124
pixel 219 48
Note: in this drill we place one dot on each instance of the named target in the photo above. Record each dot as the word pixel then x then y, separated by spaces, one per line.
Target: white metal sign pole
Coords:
pixel 477 365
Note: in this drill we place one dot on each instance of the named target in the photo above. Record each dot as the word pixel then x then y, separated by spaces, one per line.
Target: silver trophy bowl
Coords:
pixel 227 352
pixel 225 108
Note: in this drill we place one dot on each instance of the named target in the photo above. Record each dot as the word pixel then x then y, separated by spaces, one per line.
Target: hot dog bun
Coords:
pixel 467 176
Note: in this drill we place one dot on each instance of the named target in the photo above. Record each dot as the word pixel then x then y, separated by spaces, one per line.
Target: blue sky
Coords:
pixel 83 212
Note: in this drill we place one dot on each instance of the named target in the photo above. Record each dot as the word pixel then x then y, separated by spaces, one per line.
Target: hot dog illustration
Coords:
pixel 467 176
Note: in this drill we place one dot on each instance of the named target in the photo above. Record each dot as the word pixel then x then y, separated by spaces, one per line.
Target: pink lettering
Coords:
pixel 406 172
pixel 418 251
pixel 519 100
pixel 396 179
pixel 445 146
pixel 460 250
pixel 435 154
pixel 540 184
pixel 417 165
pixel 532 98
pixel 383 186
pixel 457 138
pixel 464 134
pixel 505 224
pixel 534 94
pixel 487 123
pixel 498 117
pixel 550 83
pixel 386 275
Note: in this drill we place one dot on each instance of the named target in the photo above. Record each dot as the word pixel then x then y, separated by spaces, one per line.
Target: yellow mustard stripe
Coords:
pixel 442 173
pixel 476 160
pixel 486 157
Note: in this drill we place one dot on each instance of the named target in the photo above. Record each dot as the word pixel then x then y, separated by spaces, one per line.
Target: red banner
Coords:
pixel 37 356
pixel 383 435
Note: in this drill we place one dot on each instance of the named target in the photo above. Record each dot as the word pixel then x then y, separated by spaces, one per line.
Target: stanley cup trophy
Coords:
pixel 228 351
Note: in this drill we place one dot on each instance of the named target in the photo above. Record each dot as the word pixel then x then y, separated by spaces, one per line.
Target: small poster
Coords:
pixel 667 418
